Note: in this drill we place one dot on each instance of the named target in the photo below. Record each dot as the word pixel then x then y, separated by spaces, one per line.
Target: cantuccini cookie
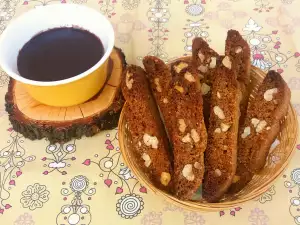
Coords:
pixel 178 95
pixel 149 140
pixel 266 111
pixel 221 152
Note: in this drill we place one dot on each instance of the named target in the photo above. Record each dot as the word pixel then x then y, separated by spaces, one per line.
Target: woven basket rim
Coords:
pixel 196 206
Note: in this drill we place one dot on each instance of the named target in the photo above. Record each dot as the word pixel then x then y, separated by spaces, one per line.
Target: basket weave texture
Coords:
pixel 277 162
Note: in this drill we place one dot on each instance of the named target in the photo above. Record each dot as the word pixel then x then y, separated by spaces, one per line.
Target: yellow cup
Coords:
pixel 64 95
pixel 71 91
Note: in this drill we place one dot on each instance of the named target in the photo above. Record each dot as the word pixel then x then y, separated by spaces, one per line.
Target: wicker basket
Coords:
pixel 277 161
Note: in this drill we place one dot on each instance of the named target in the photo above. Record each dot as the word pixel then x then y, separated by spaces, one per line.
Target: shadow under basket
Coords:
pixel 277 162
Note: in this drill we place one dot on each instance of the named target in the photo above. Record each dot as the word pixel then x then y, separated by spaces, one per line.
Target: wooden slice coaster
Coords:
pixel 60 124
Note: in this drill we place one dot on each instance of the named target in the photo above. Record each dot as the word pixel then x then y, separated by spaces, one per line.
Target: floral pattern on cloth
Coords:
pixel 86 181
pixel 35 196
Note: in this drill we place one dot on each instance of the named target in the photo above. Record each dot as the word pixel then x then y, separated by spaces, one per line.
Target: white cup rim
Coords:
pixel 18 20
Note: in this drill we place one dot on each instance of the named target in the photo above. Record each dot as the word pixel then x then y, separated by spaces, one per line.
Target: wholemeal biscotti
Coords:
pixel 206 60
pixel 238 50
pixel 221 152
pixel 149 141
pixel 266 111
pixel 178 95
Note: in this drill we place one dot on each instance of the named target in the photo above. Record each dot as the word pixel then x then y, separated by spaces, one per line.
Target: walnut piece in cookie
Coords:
pixel 261 125
pixel 179 88
pixel 187 172
pixel 180 66
pixel 238 49
pixel 158 87
pixel 218 172
pixel 218 130
pixel 147 159
pixel 150 141
pixel 165 178
pixel 187 138
pixel 268 95
pixel 246 133
pixel 195 135
pixel 189 77
pixel 205 88
pixel 225 127
pixel 227 62
pixel 203 68
pixel 213 63
pixel 219 112
pixel 181 125
pixel 129 80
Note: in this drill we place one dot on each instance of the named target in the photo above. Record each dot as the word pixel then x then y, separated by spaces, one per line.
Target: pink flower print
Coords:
pixel 258 56
pixel 109 145
pixel 258 217
pixel 258 61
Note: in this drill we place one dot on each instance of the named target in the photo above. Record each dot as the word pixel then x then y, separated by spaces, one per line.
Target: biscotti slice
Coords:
pixel 238 50
pixel 183 116
pixel 266 111
pixel 221 152
pixel 206 60
pixel 149 140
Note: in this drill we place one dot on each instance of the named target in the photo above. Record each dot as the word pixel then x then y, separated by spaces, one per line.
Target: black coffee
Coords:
pixel 58 54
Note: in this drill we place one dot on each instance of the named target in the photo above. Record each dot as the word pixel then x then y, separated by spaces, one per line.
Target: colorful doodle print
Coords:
pixel 38 3
pixel 265 48
pixel 12 159
pixel 158 15
pixel 7 9
pixel 116 175
pixel 130 4
pixel 107 7
pixel 232 212
pixel 59 157
pixel 267 196
pixel 35 196
pixel 193 29
pixel 294 183
pixel 4 79
pixel 76 212
pixel 194 7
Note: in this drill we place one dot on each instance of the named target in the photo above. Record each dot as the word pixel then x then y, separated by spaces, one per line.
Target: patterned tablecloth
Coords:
pixel 85 181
